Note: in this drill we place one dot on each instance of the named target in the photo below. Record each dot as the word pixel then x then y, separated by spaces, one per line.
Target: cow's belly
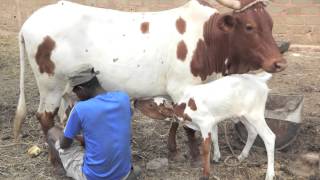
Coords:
pixel 139 76
pixel 142 81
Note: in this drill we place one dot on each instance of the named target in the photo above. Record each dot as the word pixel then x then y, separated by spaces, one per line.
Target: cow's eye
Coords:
pixel 249 27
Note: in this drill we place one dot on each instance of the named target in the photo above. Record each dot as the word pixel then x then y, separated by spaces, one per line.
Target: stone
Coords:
pixel 158 164
pixel 34 151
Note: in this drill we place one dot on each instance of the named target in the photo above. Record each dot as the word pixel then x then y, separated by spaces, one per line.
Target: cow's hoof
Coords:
pixel 195 163
pixel 204 178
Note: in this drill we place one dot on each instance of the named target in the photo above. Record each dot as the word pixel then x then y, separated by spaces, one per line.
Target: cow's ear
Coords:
pixel 226 23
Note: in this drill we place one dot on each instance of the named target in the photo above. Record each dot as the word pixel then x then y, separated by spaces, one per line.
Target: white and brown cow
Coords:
pixel 146 54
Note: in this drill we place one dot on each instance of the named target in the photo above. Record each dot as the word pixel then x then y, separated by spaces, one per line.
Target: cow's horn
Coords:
pixel 233 4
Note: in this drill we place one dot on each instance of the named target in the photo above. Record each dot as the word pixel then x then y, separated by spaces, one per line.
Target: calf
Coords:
pixel 203 106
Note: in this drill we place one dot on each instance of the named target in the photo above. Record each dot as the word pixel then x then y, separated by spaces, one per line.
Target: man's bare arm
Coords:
pixel 80 139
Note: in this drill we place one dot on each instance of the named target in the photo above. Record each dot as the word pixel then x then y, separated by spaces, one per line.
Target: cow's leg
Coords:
pixel 54 134
pixel 193 146
pixel 51 91
pixel 172 145
pixel 46 119
pixel 268 138
pixel 252 134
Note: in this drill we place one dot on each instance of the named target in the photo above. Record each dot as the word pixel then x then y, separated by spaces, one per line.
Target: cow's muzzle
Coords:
pixel 276 66
pixel 280 66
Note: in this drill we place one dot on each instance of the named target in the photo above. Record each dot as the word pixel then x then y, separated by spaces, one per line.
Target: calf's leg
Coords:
pixel 252 134
pixel 216 150
pixel 268 138
pixel 206 148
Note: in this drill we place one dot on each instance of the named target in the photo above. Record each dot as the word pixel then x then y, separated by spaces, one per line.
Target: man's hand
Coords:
pixel 80 139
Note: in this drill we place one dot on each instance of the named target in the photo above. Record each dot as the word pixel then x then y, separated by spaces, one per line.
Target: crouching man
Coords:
pixel 104 119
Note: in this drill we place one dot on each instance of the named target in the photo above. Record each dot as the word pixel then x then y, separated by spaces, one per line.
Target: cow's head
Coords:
pixel 251 44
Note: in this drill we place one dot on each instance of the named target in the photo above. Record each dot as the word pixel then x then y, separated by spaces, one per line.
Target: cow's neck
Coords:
pixel 211 54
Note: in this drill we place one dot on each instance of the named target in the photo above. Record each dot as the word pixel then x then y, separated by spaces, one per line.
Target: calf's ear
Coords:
pixel 226 23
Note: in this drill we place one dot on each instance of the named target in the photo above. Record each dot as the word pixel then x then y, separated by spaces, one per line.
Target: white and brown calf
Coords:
pixel 203 106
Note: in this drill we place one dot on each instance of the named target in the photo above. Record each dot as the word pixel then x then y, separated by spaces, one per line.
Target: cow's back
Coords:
pixel 134 52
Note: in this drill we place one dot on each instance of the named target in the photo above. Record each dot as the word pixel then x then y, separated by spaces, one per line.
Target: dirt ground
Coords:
pixel 149 136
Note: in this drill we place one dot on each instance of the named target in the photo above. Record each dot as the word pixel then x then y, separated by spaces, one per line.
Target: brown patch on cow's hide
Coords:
pixel 181 25
pixel 205 3
pixel 43 56
pixel 210 53
pixel 199 64
pixel 182 50
pixel 192 104
pixel 144 27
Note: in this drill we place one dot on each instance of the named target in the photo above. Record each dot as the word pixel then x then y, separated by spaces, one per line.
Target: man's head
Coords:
pixel 84 82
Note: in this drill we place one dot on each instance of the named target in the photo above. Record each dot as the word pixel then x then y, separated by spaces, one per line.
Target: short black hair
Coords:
pixel 90 85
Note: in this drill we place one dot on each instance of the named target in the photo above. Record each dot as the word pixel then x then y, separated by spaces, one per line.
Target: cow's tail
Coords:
pixel 21 108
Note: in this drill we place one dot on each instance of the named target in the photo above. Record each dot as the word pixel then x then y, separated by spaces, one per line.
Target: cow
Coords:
pixel 203 106
pixel 147 54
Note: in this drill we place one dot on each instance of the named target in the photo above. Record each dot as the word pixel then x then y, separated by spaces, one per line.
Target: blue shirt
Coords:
pixel 105 122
